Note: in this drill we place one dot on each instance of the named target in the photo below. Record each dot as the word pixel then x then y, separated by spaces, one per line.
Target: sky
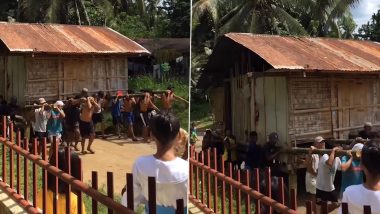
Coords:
pixel 363 11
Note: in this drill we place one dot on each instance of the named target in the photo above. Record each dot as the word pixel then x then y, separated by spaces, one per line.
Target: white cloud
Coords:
pixel 363 11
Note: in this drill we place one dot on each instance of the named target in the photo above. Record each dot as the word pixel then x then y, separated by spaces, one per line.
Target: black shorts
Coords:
pixel 86 129
pixel 144 116
pixel 116 120
pixel 40 135
pixel 326 196
pixel 97 118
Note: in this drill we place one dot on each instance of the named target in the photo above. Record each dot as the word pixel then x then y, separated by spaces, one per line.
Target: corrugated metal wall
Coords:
pixel 15 77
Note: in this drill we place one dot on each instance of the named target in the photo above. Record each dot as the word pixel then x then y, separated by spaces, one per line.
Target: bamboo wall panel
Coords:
pixel 2 75
pixel 217 103
pixel 16 74
pixel 260 108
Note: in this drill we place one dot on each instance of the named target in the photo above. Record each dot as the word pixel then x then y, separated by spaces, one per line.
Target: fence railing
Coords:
pixel 19 191
pixel 209 178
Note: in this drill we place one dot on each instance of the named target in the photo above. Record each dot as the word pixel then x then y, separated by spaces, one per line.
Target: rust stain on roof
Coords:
pixel 306 53
pixel 66 39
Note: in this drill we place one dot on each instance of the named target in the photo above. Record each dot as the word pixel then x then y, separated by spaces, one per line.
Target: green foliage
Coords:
pixel 178 11
pixel 371 30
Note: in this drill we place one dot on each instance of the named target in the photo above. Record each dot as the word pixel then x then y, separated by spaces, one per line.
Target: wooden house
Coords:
pixel 299 87
pixel 56 61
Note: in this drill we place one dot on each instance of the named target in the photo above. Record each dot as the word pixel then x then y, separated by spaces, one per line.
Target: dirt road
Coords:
pixel 116 156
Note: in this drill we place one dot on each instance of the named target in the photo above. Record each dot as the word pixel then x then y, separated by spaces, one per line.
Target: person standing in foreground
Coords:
pixel 368 193
pixel 86 126
pixel 116 112
pixel 312 162
pixel 327 167
pixel 171 172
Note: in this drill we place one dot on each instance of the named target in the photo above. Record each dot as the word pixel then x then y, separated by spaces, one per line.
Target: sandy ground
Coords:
pixel 113 155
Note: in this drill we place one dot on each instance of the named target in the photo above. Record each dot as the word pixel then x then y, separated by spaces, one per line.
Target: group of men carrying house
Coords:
pixel 75 119
pixel 360 167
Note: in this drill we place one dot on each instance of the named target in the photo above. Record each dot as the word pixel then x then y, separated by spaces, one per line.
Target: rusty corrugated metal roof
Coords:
pixel 181 45
pixel 306 53
pixel 66 39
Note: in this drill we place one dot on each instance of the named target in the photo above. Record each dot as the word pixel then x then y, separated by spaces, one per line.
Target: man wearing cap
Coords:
pixel 367 133
pixel 41 116
pixel 84 93
pixel 354 174
pixel 312 162
pixel 327 167
pixel 54 124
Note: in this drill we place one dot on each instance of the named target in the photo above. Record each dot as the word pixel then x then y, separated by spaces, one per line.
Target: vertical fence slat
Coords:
pixel 256 173
pixel 80 197
pixel 68 170
pixel 203 178
pixel 309 207
pixel 152 195
pixel 44 177
pixel 180 207
pixel 324 208
pixel 34 175
pixel 18 179
pixel 344 208
pixel 247 199
pixel 215 182
pixel 130 192
pixel 281 190
pixel 223 187
pixel 26 169
pixel 11 159
pixel 293 199
pixel 208 179
pixel 238 194
pixel 230 198
pixel 55 191
pixel 367 209
pixel 110 188
pixel 4 169
pixel 94 181
pixel 268 178
pixel 196 176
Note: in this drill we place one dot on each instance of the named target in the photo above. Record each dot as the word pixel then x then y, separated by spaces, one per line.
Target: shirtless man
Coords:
pixel 127 114
pixel 167 99
pixel 86 126
pixel 146 104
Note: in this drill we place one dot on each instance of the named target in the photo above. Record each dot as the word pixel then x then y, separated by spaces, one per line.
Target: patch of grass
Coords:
pixel 181 88
pixel 202 115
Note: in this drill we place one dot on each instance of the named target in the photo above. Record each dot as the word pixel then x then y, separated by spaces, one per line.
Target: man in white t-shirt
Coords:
pixel 367 193
pixel 171 172
pixel 312 162
pixel 327 167
pixel 41 116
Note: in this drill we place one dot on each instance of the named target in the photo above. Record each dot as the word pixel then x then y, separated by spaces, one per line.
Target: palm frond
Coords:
pixel 238 22
pixel 202 6
pixel 292 23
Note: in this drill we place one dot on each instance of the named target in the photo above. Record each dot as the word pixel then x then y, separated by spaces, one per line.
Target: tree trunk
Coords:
pixel 81 4
pixel 77 11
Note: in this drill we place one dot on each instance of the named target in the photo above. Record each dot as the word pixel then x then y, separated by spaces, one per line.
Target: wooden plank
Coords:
pixel 281 108
pixel 270 104
pixel 260 105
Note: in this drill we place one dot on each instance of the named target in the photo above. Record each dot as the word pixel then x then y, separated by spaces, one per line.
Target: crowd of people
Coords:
pixel 74 120
pixel 360 184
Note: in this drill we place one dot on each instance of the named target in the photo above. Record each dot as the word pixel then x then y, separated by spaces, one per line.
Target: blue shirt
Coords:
pixel 54 124
pixel 116 108
pixel 353 175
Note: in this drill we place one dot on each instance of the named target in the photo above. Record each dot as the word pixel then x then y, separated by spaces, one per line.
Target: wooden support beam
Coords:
pixel 302 151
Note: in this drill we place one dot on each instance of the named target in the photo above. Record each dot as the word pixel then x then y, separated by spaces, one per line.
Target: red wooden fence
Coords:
pixel 21 149
pixel 205 194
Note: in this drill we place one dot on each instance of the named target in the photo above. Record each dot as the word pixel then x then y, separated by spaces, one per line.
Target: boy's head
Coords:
pixel 165 128
pixel 357 149
pixel 370 159
pixel 319 142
